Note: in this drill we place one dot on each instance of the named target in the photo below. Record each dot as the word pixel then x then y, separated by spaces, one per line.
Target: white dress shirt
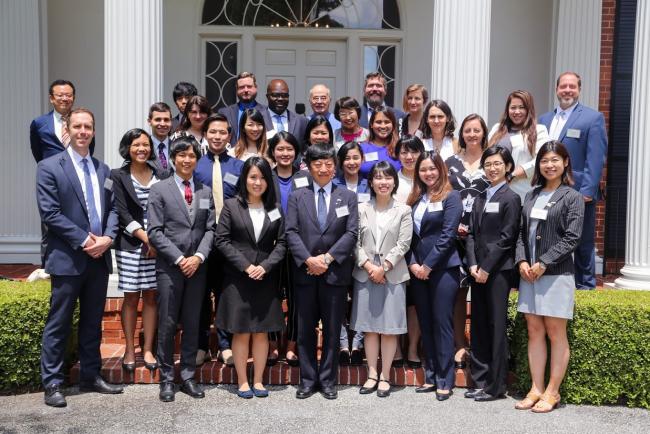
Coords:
pixel 257 217
pixel 165 142
pixel 328 194
pixel 58 125
pixel 559 120
pixel 446 147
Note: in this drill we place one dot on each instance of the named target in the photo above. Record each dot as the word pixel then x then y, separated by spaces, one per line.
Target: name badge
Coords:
pixel 573 133
pixel 231 179
pixel 108 184
pixel 204 204
pixel 274 215
pixel 538 213
pixel 371 156
pixel 363 197
pixel 301 182
pixel 434 206
pixel 342 211
pixel 492 207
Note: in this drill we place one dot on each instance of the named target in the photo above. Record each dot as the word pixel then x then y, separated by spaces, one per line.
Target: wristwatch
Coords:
pixel 326 259
pixel 386 267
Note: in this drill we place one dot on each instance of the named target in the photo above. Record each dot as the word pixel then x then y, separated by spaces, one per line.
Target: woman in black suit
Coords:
pixel 250 235
pixel 134 255
pixel 491 241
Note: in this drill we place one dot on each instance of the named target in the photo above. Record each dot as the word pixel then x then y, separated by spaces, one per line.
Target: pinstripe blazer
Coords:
pixel 558 236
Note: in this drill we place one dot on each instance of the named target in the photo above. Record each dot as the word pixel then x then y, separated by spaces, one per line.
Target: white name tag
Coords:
pixel 301 182
pixel 363 197
pixel 538 213
pixel 342 211
pixel 204 204
pixel 434 206
pixel 231 179
pixel 573 133
pixel 492 207
pixel 274 215
pixel 108 184
pixel 371 156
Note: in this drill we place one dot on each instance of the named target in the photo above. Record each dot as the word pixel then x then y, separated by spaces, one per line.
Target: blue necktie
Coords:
pixel 279 123
pixel 322 209
pixel 93 215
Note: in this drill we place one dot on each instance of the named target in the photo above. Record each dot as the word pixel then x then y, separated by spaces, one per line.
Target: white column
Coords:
pixel 636 272
pixel 461 55
pixel 21 88
pixel 133 68
pixel 577 47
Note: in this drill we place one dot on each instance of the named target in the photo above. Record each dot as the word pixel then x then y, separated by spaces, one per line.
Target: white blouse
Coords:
pixel 257 217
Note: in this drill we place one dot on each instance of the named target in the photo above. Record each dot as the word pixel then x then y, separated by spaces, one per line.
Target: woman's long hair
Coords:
pixel 440 189
pixel 394 135
pixel 559 148
pixel 529 127
pixel 242 145
pixel 204 107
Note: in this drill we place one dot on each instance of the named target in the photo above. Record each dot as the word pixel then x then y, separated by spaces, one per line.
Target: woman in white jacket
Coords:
pixel 519 132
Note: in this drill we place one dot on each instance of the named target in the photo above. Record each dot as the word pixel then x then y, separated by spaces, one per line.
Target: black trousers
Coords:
pixel 319 301
pixel 214 287
pixel 179 300
pixel 90 289
pixel 489 342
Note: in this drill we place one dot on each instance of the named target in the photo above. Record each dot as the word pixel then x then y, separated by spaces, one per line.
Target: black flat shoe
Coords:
pixel 191 388
pixel 100 386
pixel 128 367
pixel 151 366
pixel 471 393
pixel 368 390
pixel 460 365
pixel 271 362
pixel 293 362
pixel 53 396
pixel 483 396
pixel 414 364
pixel 356 358
pixel 344 358
pixel 384 393
pixel 443 396
pixel 167 391
pixel 398 363
pixel 425 389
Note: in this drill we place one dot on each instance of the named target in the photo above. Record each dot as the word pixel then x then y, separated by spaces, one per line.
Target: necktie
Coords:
pixel 217 187
pixel 161 155
pixel 557 128
pixel 188 192
pixel 65 137
pixel 93 215
pixel 322 209
pixel 278 123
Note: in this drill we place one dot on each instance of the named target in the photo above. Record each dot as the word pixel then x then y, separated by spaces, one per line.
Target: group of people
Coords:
pixel 370 221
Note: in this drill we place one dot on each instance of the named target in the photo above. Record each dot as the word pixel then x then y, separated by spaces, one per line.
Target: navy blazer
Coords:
pixel 43 139
pixel 363 119
pixel 62 206
pixel 231 112
pixel 492 237
pixel 588 151
pixel 305 239
pixel 435 246
pixel 362 183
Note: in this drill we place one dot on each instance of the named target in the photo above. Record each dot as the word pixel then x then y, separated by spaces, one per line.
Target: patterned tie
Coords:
pixel 65 137
pixel 188 192
pixel 322 209
pixel 278 123
pixel 93 215
pixel 161 155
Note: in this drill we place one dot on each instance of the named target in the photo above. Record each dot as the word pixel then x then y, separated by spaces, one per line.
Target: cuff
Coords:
pixel 200 256
pixel 85 241
pixel 180 258
pixel 132 227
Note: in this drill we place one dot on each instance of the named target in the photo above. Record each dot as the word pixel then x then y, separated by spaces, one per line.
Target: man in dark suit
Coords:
pixel 283 119
pixel 160 121
pixel 321 225
pixel 182 93
pixel 374 92
pixel 246 94
pixel 181 229
pixel 75 200
pixel 582 130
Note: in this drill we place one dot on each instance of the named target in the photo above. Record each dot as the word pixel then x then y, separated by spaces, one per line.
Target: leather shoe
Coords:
pixel 425 389
pixel 367 390
pixel 100 386
pixel 471 393
pixel 356 358
pixel 53 396
pixel 151 366
pixel 304 392
pixel 329 392
pixel 167 391
pixel 344 358
pixel 191 388
pixel 483 396
pixel 383 393
pixel 443 396
pixel 128 367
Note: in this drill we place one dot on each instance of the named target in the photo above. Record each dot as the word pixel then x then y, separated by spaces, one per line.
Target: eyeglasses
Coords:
pixel 319 98
pixel 496 165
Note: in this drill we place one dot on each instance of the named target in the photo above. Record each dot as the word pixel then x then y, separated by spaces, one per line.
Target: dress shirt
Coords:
pixel 165 142
pixel 559 120
pixel 420 209
pixel 257 218
pixel 229 164
pixel 285 121
pixel 78 167
pixel 490 192
pixel 58 125
pixel 181 189
pixel 446 147
pixel 328 194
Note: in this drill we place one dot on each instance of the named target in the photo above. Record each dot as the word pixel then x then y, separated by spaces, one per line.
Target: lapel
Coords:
pixel 496 197
pixel 371 215
pixel 479 205
pixel 125 174
pixel 392 212
pixel 572 120
pixel 248 223
pixel 335 202
pixel 309 197
pixel 71 173
pixel 50 128
pixel 291 121
pixel 173 189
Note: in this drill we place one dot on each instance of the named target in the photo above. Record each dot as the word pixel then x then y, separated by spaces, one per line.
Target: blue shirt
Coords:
pixel 203 171
pixel 330 117
pixel 369 151
pixel 285 190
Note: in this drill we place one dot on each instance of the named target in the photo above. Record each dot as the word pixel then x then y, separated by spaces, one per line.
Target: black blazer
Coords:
pixel 492 237
pixel 558 236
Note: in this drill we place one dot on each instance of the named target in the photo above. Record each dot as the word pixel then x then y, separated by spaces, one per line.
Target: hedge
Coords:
pixel 23 311
pixel 609 338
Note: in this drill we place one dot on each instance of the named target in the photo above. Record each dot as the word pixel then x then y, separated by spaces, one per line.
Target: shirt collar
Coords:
pixel 180 181
pixel 223 156
pixel 283 115
pixel 157 142
pixel 491 190
pixel 57 116
pixel 568 111
pixel 246 105
pixel 327 187
pixel 77 158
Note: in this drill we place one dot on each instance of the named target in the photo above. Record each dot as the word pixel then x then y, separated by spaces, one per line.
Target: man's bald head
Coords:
pixel 277 95
pixel 319 99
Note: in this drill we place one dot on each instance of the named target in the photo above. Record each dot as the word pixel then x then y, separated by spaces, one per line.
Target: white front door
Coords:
pixel 302 64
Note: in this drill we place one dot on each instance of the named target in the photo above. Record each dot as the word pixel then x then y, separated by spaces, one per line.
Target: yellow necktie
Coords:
pixel 217 187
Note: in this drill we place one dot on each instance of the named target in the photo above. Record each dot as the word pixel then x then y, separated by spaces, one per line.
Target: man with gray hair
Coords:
pixel 319 100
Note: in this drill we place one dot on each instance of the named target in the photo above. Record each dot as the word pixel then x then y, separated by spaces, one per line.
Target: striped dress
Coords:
pixel 136 272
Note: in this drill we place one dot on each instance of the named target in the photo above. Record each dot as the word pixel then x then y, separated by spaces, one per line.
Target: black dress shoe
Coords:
pixel 367 390
pixel 443 396
pixel 293 362
pixel 304 392
pixel 471 393
pixel 329 392
pixel 151 366
pixel 356 358
pixel 53 396
pixel 344 358
pixel 100 386
pixel 191 388
pixel 383 393
pixel 483 396
pixel 460 365
pixel 425 389
pixel 167 391
pixel 414 364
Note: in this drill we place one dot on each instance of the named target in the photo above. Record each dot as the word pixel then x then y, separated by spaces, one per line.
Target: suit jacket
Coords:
pixel 43 139
pixel 235 239
pixel 588 151
pixel 172 232
pixel 177 121
pixel 305 239
pixel 297 124
pixel 492 237
pixel 362 183
pixel 435 245
pixel 63 210
pixel 363 119
pixel 128 205
pixel 395 240
pixel 231 112
pixel 557 236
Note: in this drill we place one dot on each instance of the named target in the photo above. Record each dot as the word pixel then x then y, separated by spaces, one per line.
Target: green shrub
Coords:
pixel 23 311
pixel 609 338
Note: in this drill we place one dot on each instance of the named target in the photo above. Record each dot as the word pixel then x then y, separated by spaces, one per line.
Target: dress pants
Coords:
pixel 179 300
pixel 214 281
pixel 489 354
pixel 585 257
pixel 90 289
pixel 314 301
pixel 434 303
